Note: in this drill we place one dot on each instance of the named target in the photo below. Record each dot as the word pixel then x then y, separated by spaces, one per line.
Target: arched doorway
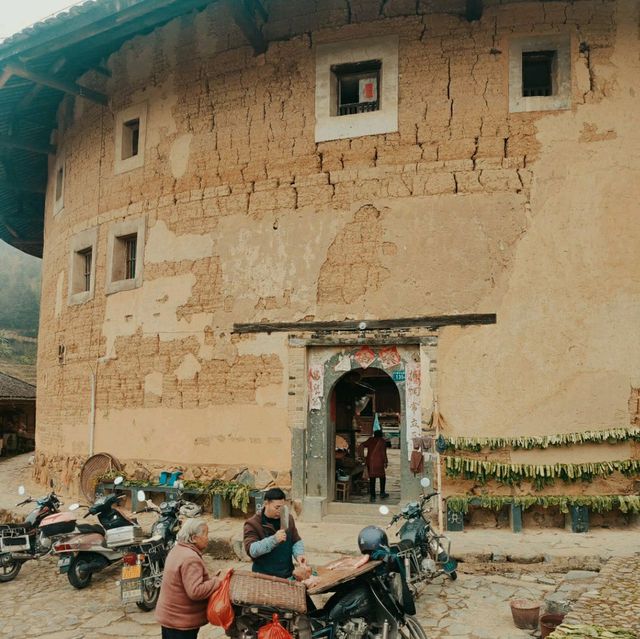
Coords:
pixel 356 399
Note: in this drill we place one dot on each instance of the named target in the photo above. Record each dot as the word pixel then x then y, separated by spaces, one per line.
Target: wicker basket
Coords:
pixel 251 588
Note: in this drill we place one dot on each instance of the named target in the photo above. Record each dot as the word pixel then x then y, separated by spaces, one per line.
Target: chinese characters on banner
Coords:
pixel 365 357
pixel 316 386
pixel 413 409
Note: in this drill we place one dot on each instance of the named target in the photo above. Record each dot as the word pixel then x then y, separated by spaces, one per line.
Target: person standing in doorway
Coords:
pixel 376 461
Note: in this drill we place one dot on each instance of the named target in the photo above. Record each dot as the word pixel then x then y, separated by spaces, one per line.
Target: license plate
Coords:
pixel 131 572
pixel 131 590
pixel 63 564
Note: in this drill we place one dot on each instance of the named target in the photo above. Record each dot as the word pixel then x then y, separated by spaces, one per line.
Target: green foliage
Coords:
pixel 589 631
pixel 540 475
pixel 597 503
pixel 238 494
pixel 19 291
pixel 609 436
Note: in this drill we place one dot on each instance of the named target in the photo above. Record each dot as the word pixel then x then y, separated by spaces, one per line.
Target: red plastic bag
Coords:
pixel 219 609
pixel 273 630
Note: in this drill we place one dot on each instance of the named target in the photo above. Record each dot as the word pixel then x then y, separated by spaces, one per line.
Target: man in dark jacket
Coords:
pixel 270 542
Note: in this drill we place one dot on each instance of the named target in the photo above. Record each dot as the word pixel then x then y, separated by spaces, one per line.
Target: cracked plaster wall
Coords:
pixel 465 209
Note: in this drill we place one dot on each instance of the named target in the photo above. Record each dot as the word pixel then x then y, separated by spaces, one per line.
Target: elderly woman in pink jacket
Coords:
pixel 186 585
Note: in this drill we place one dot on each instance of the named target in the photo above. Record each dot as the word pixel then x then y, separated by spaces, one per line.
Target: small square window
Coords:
pixel 58 185
pixel 539 69
pixel 130 138
pixel 125 257
pixel 357 87
pixel 540 73
pixel 82 266
pixel 130 135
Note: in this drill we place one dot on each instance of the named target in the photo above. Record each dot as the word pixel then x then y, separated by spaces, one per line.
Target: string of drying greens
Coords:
pixel 609 436
pixel 238 494
pixel 540 475
pixel 597 503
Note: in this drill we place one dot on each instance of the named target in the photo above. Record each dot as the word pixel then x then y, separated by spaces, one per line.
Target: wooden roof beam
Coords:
pixel 473 10
pixel 243 17
pixel 57 83
pixel 12 142
pixel 432 321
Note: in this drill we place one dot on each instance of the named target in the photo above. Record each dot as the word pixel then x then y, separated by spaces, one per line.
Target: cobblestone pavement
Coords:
pixel 612 602
pixel 41 603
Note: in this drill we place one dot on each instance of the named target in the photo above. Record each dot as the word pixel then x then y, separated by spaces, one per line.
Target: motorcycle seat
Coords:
pixel 90 528
pixel 402 545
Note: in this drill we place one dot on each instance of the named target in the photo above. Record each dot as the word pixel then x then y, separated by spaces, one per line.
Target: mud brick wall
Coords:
pixel 467 208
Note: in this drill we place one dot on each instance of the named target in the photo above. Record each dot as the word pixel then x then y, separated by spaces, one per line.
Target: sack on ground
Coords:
pixel 219 609
pixel 274 630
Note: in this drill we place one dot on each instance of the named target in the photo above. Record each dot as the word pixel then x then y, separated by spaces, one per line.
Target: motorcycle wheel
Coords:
pixel 78 575
pixel 150 592
pixel 413 629
pixel 9 569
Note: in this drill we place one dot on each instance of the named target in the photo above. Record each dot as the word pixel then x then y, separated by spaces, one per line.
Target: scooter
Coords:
pixel 425 554
pixel 85 552
pixel 20 542
pixel 143 563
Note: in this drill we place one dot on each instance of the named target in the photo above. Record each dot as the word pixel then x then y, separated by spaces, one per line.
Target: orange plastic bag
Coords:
pixel 219 609
pixel 274 630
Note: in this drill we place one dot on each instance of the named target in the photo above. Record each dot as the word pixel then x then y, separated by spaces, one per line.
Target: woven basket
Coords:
pixel 251 588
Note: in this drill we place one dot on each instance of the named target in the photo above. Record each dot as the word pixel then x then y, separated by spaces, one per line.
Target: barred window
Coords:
pixel 130 245
pixel 357 87
pixel 538 73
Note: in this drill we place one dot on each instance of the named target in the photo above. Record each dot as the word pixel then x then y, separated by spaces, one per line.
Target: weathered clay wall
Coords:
pixel 466 209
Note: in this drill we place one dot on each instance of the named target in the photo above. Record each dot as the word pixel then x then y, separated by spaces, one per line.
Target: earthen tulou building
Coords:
pixel 266 224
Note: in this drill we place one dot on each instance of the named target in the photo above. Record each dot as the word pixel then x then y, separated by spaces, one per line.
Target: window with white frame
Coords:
pixel 540 73
pixel 356 88
pixel 125 250
pixel 58 185
pixel 130 136
pixel 82 266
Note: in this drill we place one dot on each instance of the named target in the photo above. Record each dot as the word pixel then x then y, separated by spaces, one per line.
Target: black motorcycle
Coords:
pixel 143 562
pixel 20 542
pixel 371 601
pixel 424 553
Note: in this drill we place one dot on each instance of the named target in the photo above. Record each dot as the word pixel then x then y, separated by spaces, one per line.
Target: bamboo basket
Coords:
pixel 252 588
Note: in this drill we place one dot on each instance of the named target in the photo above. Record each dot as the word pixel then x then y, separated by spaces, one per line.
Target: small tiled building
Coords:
pixel 17 414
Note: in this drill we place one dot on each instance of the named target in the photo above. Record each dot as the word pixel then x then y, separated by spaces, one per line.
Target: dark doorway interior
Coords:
pixel 354 402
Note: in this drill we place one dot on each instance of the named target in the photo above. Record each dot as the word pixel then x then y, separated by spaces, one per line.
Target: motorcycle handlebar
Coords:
pixel 26 501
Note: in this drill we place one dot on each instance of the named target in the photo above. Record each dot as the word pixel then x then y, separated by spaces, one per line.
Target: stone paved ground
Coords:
pixel 612 602
pixel 41 603
pixel 499 566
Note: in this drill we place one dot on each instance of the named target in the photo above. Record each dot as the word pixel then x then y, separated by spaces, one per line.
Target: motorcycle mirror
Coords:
pixel 141 496
pixel 384 510
pixel 118 480
pixel 74 506
pixel 425 482
pixel 21 490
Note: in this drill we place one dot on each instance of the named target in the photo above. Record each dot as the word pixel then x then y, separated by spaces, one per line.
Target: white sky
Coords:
pixel 24 13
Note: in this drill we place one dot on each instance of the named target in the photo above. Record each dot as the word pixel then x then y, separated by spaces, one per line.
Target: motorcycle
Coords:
pixel 86 552
pixel 143 562
pixel 425 554
pixel 20 542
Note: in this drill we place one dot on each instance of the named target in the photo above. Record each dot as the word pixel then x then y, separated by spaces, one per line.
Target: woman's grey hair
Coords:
pixel 190 529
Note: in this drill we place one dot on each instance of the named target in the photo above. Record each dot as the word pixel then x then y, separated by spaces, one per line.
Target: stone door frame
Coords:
pixel 311 463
